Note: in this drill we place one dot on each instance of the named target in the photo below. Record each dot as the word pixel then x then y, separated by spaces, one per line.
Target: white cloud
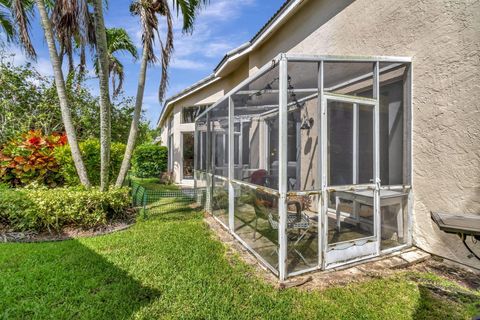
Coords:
pixel 200 50
pixel 224 9
pixel 188 64
pixel 220 47
pixel 44 67
pixel 17 55
pixel 18 58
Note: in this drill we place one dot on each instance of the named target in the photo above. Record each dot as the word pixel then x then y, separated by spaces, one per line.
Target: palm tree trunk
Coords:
pixel 105 130
pixel 62 95
pixel 132 136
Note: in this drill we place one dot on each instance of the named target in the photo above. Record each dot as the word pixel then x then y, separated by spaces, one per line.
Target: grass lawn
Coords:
pixel 171 267
pixel 152 184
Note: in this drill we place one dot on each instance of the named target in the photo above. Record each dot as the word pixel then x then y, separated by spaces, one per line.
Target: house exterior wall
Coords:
pixel 205 96
pixel 443 38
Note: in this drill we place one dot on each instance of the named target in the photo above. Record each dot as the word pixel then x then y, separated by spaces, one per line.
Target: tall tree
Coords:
pixel 105 104
pixel 148 11
pixel 62 95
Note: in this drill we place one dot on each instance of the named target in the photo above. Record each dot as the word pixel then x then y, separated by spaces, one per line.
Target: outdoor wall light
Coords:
pixel 307 124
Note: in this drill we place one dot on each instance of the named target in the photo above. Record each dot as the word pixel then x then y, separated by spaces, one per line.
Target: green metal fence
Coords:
pixel 160 199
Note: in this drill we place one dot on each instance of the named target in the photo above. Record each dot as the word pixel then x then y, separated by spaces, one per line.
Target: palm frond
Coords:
pixel 189 10
pixel 148 10
pixel 149 21
pixel 167 50
pixel 73 26
pixel 116 71
pixel 22 12
pixel 6 24
pixel 119 40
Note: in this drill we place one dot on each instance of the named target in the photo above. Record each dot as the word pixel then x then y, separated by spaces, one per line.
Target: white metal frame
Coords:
pixel 368 250
pixel 281 61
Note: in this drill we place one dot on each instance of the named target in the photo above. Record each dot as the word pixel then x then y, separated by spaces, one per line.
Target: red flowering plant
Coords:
pixel 31 159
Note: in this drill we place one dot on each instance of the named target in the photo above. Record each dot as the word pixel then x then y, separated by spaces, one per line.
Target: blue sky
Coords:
pixel 220 27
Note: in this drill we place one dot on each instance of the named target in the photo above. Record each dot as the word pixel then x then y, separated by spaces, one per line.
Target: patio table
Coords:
pixel 365 197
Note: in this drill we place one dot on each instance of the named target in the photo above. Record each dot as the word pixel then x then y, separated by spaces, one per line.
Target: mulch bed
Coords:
pixel 68 232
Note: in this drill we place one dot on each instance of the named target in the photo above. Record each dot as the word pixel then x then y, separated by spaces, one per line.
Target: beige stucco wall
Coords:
pixel 207 95
pixel 443 38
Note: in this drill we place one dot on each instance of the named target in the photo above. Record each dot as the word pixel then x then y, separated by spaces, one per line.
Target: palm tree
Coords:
pixel 74 29
pixel 15 23
pixel 6 23
pixel 148 10
pixel 105 104
pixel 117 40
pixel 61 91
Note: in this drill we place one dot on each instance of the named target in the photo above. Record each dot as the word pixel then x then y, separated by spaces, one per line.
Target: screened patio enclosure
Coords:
pixel 308 162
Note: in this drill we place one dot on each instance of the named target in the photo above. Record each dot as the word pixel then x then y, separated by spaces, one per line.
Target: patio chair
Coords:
pixel 296 221
pixel 258 177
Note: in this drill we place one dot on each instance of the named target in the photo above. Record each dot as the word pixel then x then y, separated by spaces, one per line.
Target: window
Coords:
pixel 189 114
pixel 188 155
pixel 170 144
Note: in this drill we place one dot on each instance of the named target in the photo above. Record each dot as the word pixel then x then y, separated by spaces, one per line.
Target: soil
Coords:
pixel 67 233
pixel 384 267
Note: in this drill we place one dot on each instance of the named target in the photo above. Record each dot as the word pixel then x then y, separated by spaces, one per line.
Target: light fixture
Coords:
pixel 307 124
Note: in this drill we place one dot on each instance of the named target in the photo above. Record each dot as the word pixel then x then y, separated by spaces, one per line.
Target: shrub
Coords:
pixel 54 209
pixel 31 159
pixel 149 160
pixel 90 150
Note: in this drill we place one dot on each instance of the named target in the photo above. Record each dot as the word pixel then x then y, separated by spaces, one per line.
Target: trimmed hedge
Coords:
pixel 54 209
pixel 90 150
pixel 149 160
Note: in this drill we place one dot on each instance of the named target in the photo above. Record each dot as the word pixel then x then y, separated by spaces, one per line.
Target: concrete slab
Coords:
pixel 415 256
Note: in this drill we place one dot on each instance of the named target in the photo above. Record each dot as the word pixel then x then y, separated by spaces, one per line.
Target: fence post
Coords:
pixel 145 197
pixel 134 194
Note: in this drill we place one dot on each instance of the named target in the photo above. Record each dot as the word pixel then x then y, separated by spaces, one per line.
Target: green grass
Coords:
pixel 153 184
pixel 171 267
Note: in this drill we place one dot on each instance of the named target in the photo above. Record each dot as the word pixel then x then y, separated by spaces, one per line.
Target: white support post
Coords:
pixel 282 172
pixel 240 146
pixel 376 158
pixel 324 167
pixel 265 136
pixel 355 142
pixel 321 182
pixel 231 164
pixel 196 141
pixel 225 150
pixel 208 166
pixel 298 157
pixel 408 147
pixel 200 154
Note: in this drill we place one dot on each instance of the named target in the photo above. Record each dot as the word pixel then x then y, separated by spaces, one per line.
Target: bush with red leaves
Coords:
pixel 31 159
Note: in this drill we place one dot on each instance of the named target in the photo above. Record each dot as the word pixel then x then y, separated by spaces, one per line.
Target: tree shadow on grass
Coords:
pixel 173 209
pixel 438 303
pixel 65 280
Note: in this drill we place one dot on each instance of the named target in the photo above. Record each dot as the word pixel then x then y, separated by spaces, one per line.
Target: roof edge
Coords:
pixel 185 92
pixel 246 47
pixel 287 6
